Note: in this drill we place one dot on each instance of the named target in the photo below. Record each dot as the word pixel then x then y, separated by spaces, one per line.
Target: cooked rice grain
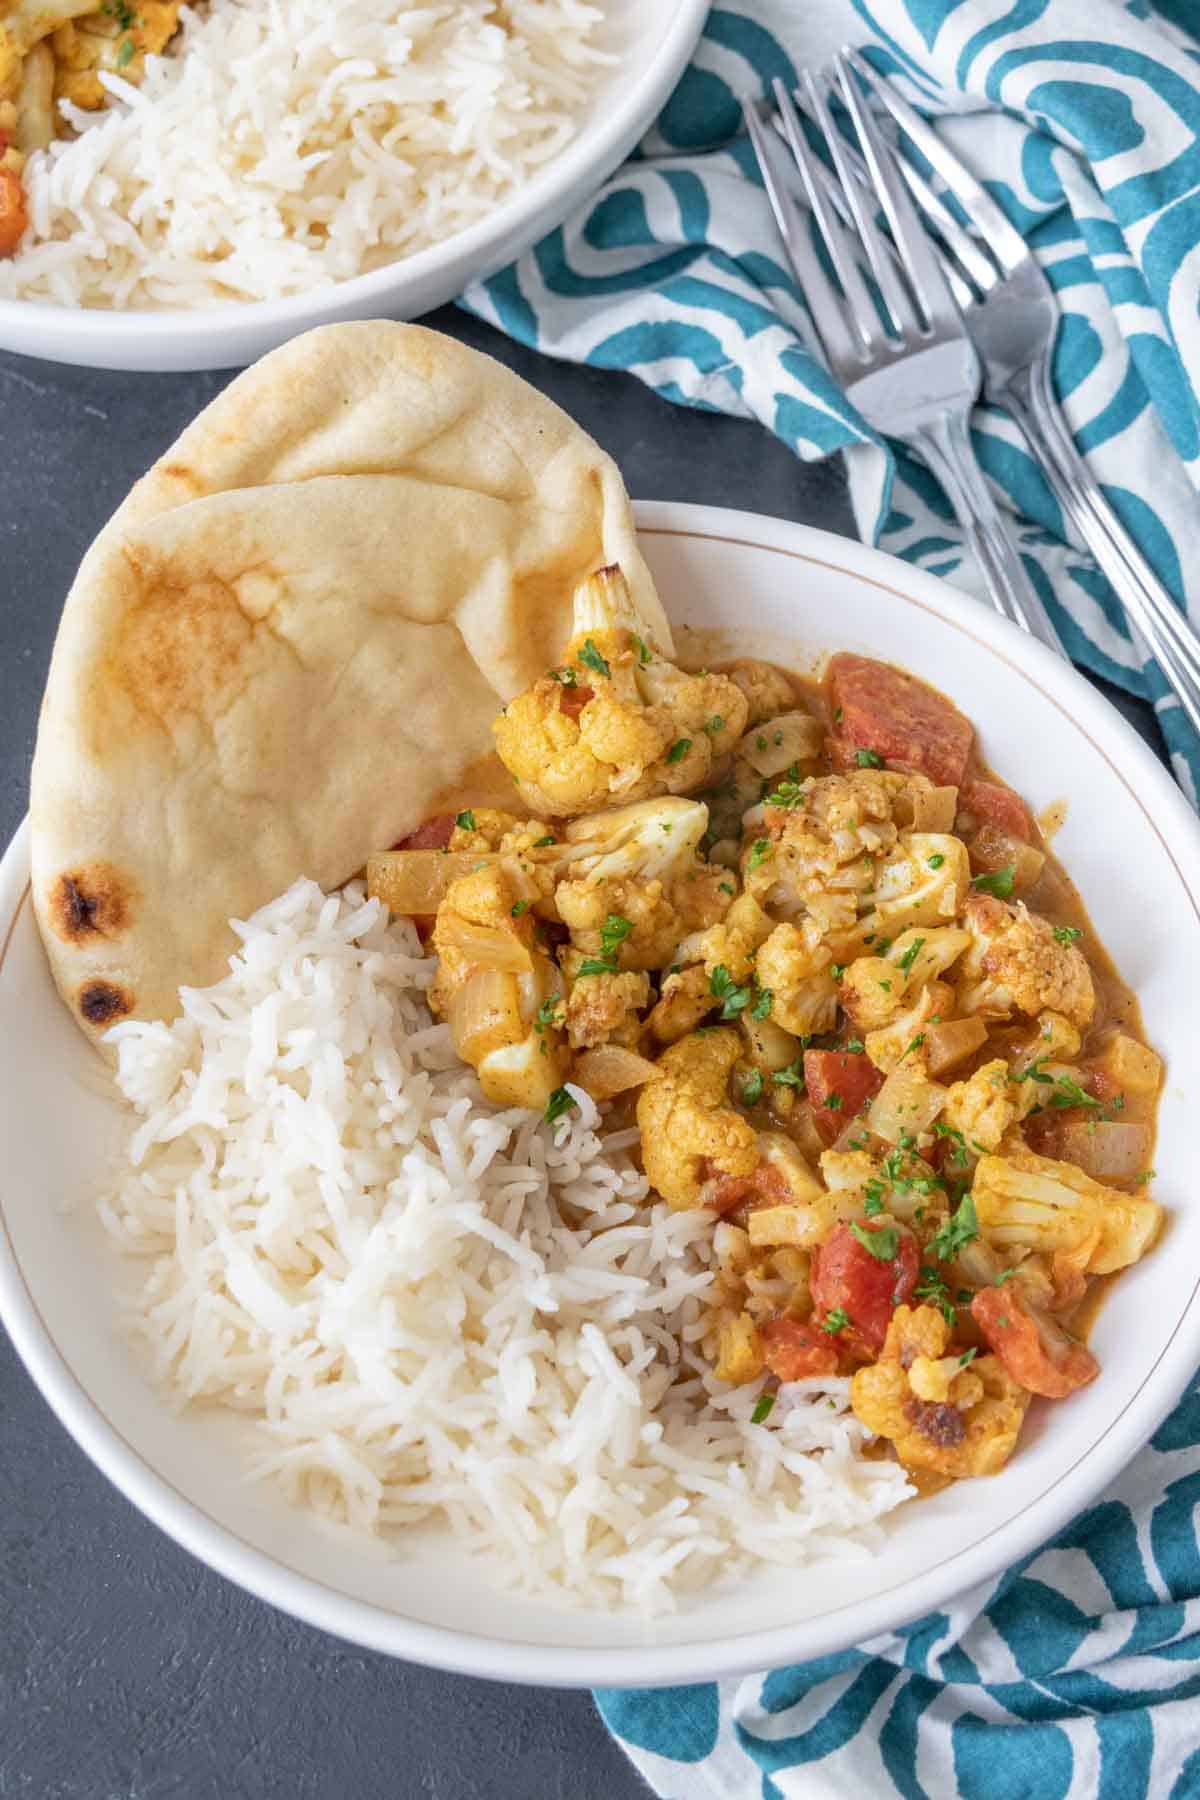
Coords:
pixel 438 1311
pixel 278 147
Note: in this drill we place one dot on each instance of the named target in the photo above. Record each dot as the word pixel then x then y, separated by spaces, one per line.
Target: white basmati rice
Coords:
pixel 281 145
pixel 437 1311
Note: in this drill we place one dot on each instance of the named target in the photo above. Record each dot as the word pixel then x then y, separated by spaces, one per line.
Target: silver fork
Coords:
pixel 917 376
pixel 1012 315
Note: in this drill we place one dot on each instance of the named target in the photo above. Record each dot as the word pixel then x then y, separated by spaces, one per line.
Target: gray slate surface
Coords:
pixel 127 1670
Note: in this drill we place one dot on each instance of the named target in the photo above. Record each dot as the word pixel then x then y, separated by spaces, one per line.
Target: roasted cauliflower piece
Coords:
pixel 923 881
pixel 819 845
pixel 795 968
pixel 606 1009
pixel 638 867
pixel 983 1108
pixel 616 722
pixel 1025 1201
pixel 765 688
pixel 685 1000
pixel 902 1039
pixel 499 990
pixel 1016 964
pixel 740 1351
pixel 689 1131
pixel 973 1430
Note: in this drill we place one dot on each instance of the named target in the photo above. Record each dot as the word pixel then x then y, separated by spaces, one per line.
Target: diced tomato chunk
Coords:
pixel 572 700
pixel 839 1083
pixel 845 1276
pixel 999 806
pixel 1036 1351
pixel 434 834
pixel 902 720
pixel 793 1350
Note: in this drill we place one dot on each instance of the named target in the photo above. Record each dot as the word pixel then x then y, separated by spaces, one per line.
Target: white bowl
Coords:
pixel 1134 848
pixel 653 41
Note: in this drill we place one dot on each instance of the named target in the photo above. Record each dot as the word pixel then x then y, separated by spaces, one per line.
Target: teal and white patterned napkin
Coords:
pixel 1086 116
pixel 1076 1675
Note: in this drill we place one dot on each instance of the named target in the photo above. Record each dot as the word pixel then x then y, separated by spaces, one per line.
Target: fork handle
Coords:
pixel 1165 629
pixel 947 448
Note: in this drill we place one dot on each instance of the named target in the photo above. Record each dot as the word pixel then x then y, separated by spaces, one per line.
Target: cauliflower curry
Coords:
pixel 56 50
pixel 825 960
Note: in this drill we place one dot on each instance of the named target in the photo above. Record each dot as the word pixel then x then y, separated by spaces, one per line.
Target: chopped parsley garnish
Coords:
pixel 548 1015
pixel 466 821
pixel 1067 1092
pixel 591 658
pixel 1002 1321
pixel 911 954
pixel 873 1201
pixel 792 1076
pixel 1145 1176
pixel 933 1289
pixel 560 1102
pixel 763 1004
pixel 999 883
pixel 1034 1072
pixel 714 725
pixel 762 1408
pixel 832 1102
pixel 936 861
pixel 734 997
pixel 752 1088
pixel 679 750
pixel 566 677
pixel 835 1321
pixel 726 887
pixel 1003 1276
pixel 126 53
pixel 968 1356
pixel 958 1143
pixel 837 970
pixel 760 742
pixel 886 986
pixel 855 1046
pixel 639 645
pixel 760 849
pixel 868 759
pixel 882 1243
pixel 913 1044
pixel 613 933
pixel 788 795
pixel 1067 934
pixel 960 1229
pixel 858 1143
pixel 544 843
pixel 519 907
pixel 837 717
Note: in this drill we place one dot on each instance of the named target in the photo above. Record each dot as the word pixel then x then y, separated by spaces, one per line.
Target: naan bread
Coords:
pixel 291 641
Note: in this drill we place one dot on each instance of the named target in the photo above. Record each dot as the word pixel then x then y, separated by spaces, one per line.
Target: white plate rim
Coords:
pixel 71 333
pixel 376 1628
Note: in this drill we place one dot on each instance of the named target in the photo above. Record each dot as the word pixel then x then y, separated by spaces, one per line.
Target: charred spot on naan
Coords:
pixel 102 1003
pixel 94 900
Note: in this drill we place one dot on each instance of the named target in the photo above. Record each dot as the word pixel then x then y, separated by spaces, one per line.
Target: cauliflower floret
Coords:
pixel 983 1107
pixel 766 689
pixel 685 999
pixel 795 968
pixel 972 1431
pixel 489 828
pixel 874 988
pixel 615 722
pixel 1017 964
pixel 902 1039
pixel 499 990
pixel 1024 1201
pixel 740 1354
pixel 819 849
pixel 872 992
pixel 734 943
pixel 686 1123
pixel 606 1009
pixel 638 868
pixel 922 882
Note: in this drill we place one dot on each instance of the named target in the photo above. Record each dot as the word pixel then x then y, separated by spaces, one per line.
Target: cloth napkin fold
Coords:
pixel 1084 115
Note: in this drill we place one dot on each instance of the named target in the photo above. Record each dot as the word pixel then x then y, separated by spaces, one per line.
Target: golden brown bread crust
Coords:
pixel 291 641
